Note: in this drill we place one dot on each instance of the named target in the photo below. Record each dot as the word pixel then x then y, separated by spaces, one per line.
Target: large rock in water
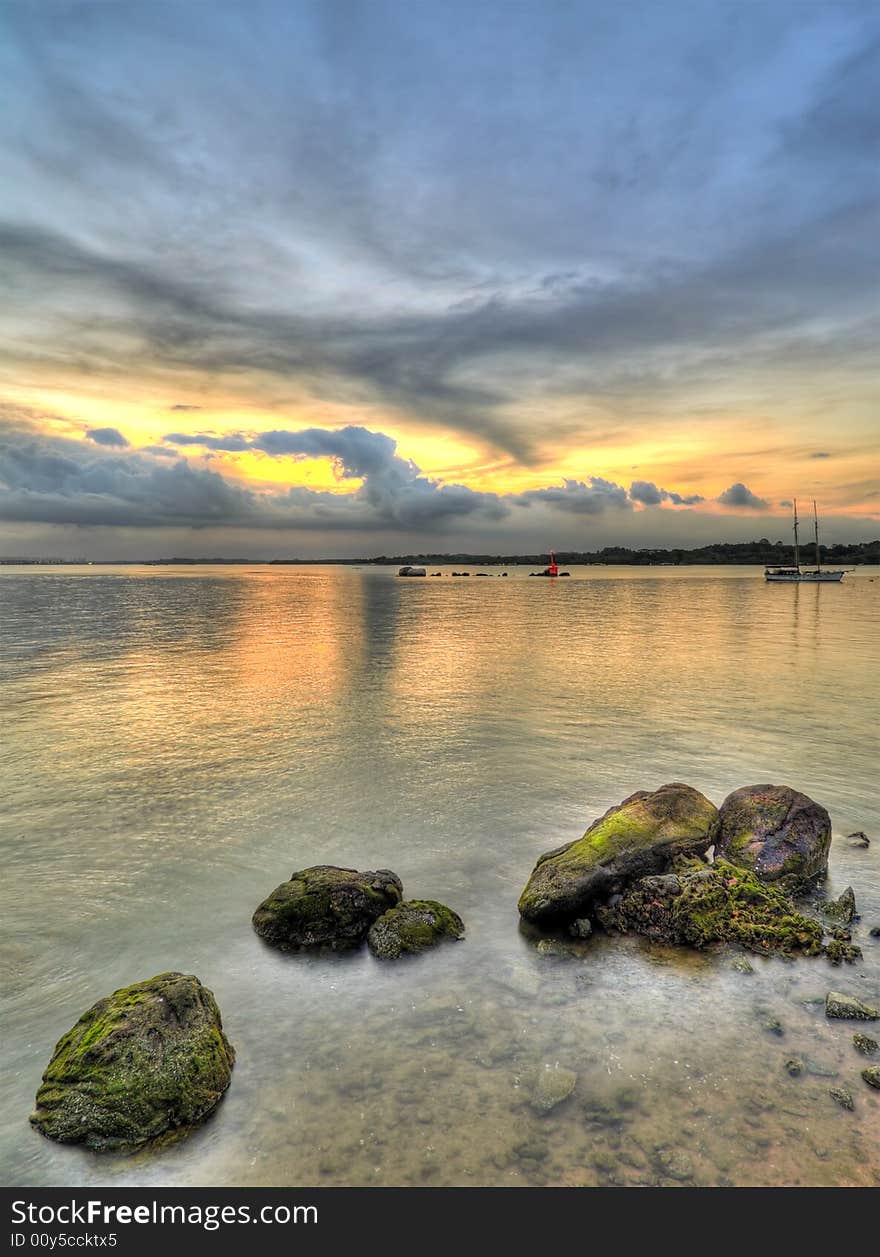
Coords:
pixel 325 906
pixel 413 927
pixel 147 1059
pixel 776 832
pixel 639 837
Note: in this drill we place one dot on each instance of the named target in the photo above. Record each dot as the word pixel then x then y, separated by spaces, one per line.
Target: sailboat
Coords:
pixel 798 573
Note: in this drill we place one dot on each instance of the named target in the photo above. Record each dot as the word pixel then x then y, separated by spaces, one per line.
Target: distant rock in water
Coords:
pixel 639 837
pixel 148 1059
pixel 409 570
pixel 413 926
pixel 776 832
pixel 325 906
pixel 859 839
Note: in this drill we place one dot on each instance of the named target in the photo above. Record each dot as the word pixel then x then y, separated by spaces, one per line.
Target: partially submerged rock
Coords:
pixel 841 909
pixel 775 832
pixel 639 837
pixel 413 926
pixel 859 839
pixel 721 904
pixel 848 1007
pixel 553 1084
pixel 871 1076
pixel 147 1059
pixel 865 1044
pixel 325 906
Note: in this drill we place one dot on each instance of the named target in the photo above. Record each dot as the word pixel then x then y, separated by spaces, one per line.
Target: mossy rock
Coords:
pixel 722 904
pixel 148 1059
pixel 412 927
pixel 325 906
pixel 643 835
pixel 777 833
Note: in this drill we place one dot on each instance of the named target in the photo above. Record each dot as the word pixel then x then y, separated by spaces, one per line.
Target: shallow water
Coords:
pixel 177 741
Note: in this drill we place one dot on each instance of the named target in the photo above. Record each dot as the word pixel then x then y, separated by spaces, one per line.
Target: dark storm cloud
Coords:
pixel 54 480
pixel 739 495
pixel 357 201
pixel 646 492
pixel 107 436
pixel 578 497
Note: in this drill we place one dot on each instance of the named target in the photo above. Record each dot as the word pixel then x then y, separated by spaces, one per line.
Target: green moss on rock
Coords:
pixel 412 927
pixel 643 835
pixel 326 906
pixel 147 1059
pixel 719 904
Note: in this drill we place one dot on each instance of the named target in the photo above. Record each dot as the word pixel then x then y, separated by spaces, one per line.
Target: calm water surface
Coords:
pixel 176 741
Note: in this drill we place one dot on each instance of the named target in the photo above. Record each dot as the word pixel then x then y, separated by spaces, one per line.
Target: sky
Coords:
pixel 348 278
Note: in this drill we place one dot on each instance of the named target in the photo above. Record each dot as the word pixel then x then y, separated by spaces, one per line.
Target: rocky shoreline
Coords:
pixel 151 1061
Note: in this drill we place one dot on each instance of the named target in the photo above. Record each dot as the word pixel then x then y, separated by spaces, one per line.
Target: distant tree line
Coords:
pixel 775 553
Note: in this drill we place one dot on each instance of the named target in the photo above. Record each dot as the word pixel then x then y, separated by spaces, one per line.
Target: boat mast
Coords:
pixel 816 527
pixel 797 552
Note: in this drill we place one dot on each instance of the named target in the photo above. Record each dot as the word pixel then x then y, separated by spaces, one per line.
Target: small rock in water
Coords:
pixel 743 965
pixel 581 928
pixel 847 1006
pixel 874 931
pixel 774 1026
pixel 843 1096
pixel 865 1044
pixel 794 1067
pixel 859 839
pixel 554 1084
pixel 818 1070
pixel 842 909
pixel 871 1076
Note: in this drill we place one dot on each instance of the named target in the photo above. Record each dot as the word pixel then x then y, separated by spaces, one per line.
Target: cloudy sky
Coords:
pixel 350 277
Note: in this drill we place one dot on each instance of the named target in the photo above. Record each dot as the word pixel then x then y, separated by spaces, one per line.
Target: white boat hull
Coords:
pixel 809 578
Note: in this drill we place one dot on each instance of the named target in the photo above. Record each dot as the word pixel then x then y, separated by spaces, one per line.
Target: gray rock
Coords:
pixel 776 832
pixel 553 1084
pixel 326 906
pixel 859 839
pixel 847 1006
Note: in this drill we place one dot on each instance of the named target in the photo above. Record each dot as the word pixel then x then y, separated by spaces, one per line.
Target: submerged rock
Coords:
pixel 776 832
pixel 742 965
pixel 147 1059
pixel 639 837
pixel 842 1096
pixel 859 839
pixel 581 928
pixel 325 906
pixel 847 1006
pixel 721 904
pixel 794 1067
pixel 674 1163
pixel 865 1044
pixel 413 926
pixel 553 1085
pixel 871 1076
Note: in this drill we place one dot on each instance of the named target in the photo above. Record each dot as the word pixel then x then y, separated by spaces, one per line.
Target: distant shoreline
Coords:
pixel 759 553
